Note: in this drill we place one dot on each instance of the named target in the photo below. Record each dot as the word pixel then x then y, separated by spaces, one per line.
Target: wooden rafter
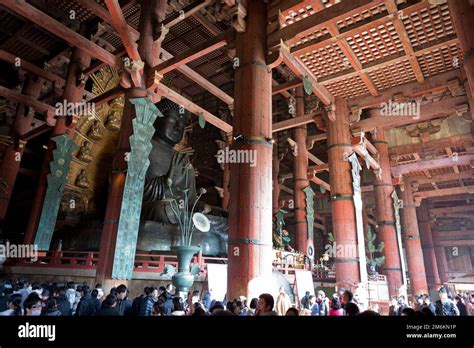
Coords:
pixel 103 14
pixel 392 9
pixel 429 146
pixel 295 31
pixel 431 164
pixel 48 23
pixel 294 122
pixel 10 58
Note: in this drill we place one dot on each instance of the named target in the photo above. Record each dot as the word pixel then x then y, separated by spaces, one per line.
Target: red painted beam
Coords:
pixel 32 14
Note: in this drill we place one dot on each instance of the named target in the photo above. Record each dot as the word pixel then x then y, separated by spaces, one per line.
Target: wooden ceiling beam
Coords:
pixel 430 164
pixel 355 29
pixel 31 102
pixel 465 140
pixel 395 58
pixel 312 177
pixel 392 9
pixel 12 59
pixel 456 209
pixel 467 174
pixel 103 14
pixel 444 192
pixel 293 32
pixel 442 108
pixel 458 243
pixel 455 233
pixel 278 88
pixel 294 122
pixel 120 25
pixel 167 92
pixel 301 71
pixel 32 14
pixel 201 50
pixel 411 90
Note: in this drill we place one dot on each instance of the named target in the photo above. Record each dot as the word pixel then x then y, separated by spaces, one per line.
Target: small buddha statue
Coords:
pixel 81 180
pixel 113 119
pixel 95 132
pixel 85 153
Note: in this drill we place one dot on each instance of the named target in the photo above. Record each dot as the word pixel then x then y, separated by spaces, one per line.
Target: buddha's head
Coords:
pixel 170 127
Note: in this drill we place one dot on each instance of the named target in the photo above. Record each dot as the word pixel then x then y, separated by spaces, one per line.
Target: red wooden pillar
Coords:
pixel 411 236
pixel 114 199
pixel 275 180
pixel 300 177
pixel 432 275
pixel 441 260
pixel 250 220
pixel 152 14
pixel 342 204
pixel 73 91
pixel 14 152
pixel 385 214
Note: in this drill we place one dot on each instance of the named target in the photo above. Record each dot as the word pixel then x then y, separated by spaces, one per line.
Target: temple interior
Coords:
pixel 239 145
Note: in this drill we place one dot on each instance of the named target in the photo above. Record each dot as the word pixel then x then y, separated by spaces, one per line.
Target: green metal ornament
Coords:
pixel 308 86
pixel 202 121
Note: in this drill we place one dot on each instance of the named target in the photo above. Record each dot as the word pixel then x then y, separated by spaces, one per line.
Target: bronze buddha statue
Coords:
pixel 171 173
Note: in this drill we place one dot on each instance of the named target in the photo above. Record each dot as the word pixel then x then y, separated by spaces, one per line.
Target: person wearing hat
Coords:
pixel 444 306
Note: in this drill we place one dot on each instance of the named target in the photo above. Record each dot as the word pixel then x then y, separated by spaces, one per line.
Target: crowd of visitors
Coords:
pixel 34 299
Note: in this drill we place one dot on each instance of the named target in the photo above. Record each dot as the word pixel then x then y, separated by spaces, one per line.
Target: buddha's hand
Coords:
pixel 177 173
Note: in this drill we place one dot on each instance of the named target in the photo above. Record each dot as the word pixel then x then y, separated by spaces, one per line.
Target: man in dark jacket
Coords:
pixel 124 305
pixel 428 304
pixel 85 307
pixel 146 305
pixel 445 306
pixel 109 307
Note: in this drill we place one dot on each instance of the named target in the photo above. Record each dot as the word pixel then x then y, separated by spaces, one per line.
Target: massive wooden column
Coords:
pixel 342 204
pixel 250 220
pixel 411 236
pixel 386 231
pixel 432 275
pixel 441 260
pixel 300 177
pixel 73 91
pixel 14 152
pixel 116 188
pixel 152 14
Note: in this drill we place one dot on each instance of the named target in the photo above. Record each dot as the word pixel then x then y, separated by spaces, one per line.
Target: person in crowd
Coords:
pixel 86 306
pixel 156 309
pixel 25 290
pixel 283 302
pixel 335 309
pixel 427 312
pixel 292 312
pixel 32 305
pixel 245 309
pixel 207 299
pixel 401 305
pixel 169 289
pixel 63 304
pixel 347 297
pixel 253 306
pixel 265 305
pixel 305 300
pixel 124 305
pixel 428 304
pixel 137 302
pixel 408 312
pixel 178 306
pixel 238 307
pixel 198 310
pixel 146 303
pixel 461 306
pixel 351 309
pixel 52 309
pixel 13 306
pixel 109 307
pixel 313 306
pixel 5 299
pixel 71 297
pixel 369 313
pixel 216 307
pixel 95 300
pixel 470 305
pixel 323 303
pixel 100 291
pixel 444 306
